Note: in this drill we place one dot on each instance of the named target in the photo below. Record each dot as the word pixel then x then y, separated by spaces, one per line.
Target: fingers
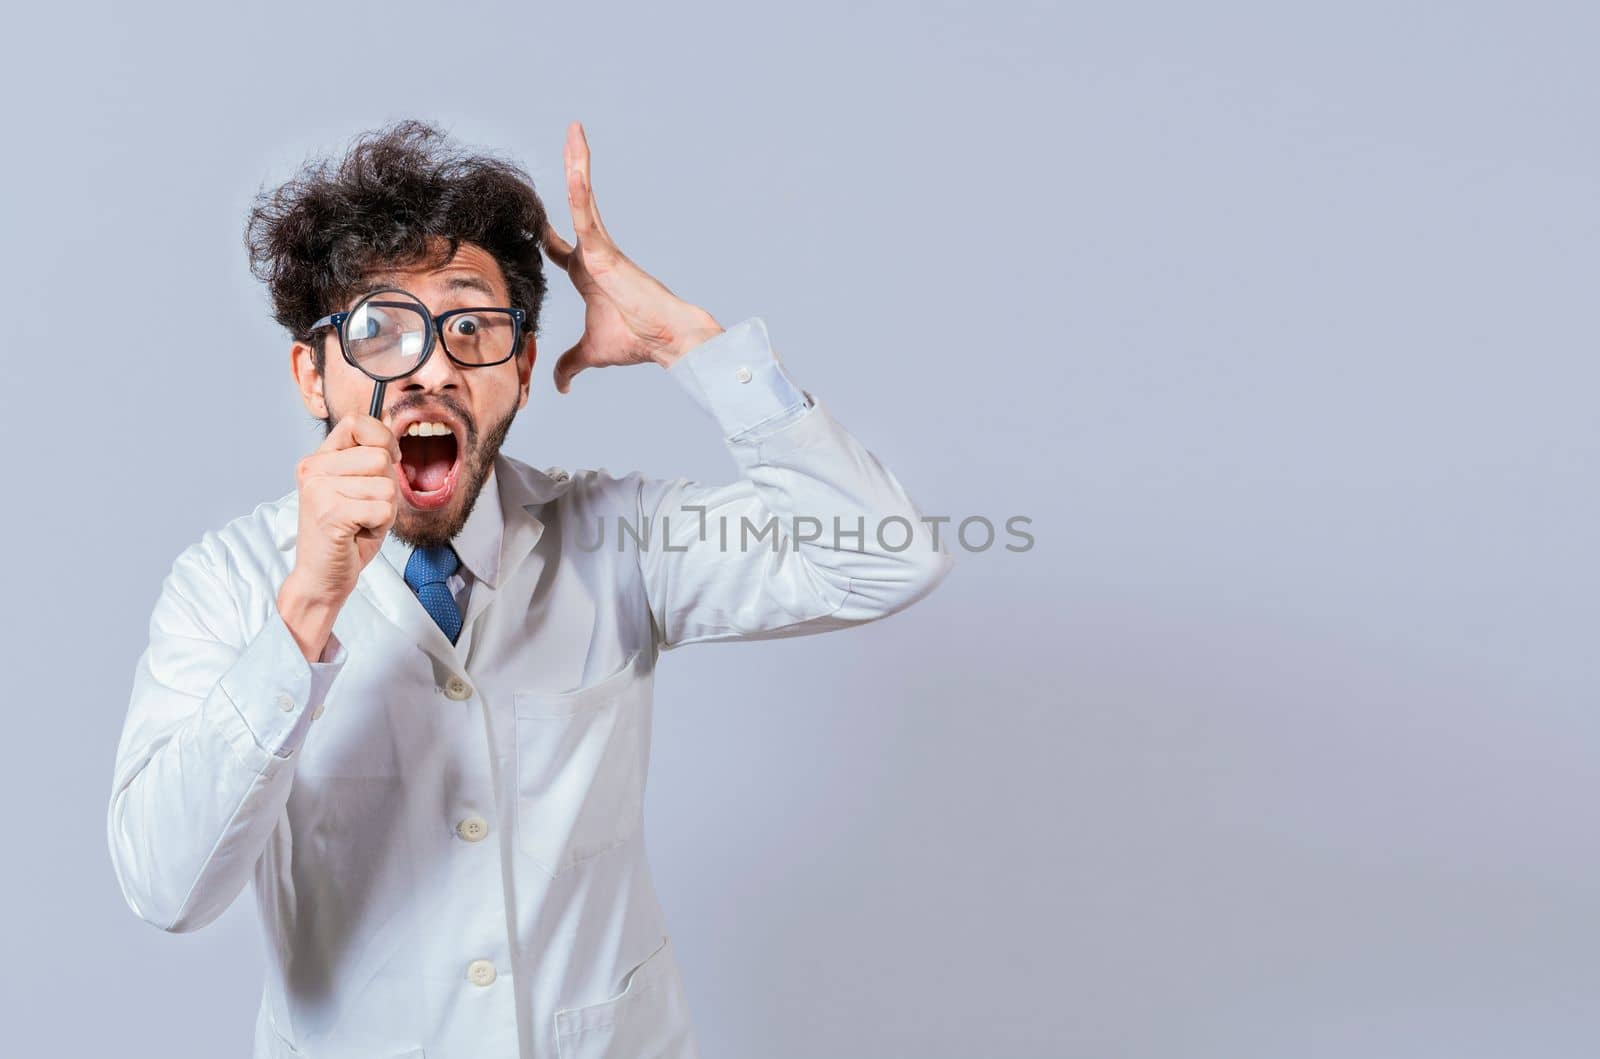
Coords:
pixel 586 223
pixel 371 514
pixel 578 202
pixel 363 460
pixel 344 505
pixel 357 445
pixel 588 184
pixel 556 248
pixel 354 430
pixel 353 498
pixel 363 487
pixel 568 365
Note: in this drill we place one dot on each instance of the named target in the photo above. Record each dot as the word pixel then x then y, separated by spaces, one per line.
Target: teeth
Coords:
pixel 427 430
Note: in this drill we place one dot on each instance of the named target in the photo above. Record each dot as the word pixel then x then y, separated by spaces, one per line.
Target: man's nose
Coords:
pixel 438 372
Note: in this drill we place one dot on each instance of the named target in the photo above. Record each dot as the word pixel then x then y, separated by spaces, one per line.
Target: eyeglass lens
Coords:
pixel 387 333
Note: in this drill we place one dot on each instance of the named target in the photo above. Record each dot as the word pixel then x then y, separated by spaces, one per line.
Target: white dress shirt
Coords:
pixel 444 841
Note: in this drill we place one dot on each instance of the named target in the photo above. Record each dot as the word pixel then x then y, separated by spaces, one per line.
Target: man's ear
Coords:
pixel 530 352
pixel 307 379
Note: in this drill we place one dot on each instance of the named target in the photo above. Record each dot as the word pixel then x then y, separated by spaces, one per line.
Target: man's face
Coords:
pixel 441 473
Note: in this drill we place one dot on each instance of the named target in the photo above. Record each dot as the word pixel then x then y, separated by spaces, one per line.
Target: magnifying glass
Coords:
pixel 387 335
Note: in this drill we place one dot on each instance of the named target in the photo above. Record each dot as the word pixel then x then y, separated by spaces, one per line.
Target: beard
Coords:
pixel 430 529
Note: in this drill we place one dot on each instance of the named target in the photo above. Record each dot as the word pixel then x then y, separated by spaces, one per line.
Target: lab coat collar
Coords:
pixel 524 490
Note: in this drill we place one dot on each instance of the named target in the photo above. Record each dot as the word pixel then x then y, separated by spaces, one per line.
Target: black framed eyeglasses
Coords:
pixel 390 333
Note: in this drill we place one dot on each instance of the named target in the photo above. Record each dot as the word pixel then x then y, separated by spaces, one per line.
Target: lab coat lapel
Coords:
pixel 523 492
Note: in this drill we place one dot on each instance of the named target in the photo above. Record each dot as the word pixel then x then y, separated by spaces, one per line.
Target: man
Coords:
pixel 432 764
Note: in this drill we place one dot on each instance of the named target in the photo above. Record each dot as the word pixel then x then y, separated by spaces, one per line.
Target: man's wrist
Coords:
pixel 698 326
pixel 308 616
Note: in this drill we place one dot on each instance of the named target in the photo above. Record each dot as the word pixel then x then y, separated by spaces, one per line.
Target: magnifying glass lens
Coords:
pixel 386 334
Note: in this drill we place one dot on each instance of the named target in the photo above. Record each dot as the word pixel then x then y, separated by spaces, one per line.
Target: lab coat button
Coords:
pixel 457 689
pixel 743 375
pixel 285 703
pixel 473 828
pixel 480 972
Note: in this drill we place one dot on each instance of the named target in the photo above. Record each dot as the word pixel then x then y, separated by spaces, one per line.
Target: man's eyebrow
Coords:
pixel 471 283
pixel 458 282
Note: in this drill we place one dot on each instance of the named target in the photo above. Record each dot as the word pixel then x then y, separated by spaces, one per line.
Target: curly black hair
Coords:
pixel 397 191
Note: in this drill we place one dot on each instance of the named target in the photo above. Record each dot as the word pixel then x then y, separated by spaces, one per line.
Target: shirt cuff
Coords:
pixel 736 377
pixel 276 691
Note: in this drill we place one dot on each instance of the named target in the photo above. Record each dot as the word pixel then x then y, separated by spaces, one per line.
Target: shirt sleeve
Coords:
pixel 815 534
pixel 737 378
pixel 207 752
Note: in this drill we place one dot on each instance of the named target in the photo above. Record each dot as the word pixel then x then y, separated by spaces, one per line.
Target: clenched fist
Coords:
pixel 349 498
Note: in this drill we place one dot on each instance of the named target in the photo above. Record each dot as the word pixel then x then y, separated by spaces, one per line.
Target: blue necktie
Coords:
pixel 426 572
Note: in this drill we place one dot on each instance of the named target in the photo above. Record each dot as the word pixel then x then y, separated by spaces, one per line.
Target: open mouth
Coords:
pixel 430 464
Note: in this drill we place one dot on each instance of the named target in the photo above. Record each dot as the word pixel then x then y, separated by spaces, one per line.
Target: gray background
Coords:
pixel 1276 320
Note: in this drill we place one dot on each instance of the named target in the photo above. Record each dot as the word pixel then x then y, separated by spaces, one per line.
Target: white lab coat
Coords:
pixel 451 861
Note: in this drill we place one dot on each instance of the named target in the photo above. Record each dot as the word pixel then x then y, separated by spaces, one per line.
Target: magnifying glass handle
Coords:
pixel 377 400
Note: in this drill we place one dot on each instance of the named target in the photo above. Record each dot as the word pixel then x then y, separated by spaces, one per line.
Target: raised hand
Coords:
pixel 630 317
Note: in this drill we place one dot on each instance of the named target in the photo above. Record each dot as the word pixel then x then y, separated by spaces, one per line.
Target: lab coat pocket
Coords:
pixel 649 1017
pixel 581 761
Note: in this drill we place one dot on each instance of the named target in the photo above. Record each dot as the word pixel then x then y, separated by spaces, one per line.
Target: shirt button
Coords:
pixel 285 703
pixel 473 828
pixel 457 689
pixel 743 375
pixel 480 972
